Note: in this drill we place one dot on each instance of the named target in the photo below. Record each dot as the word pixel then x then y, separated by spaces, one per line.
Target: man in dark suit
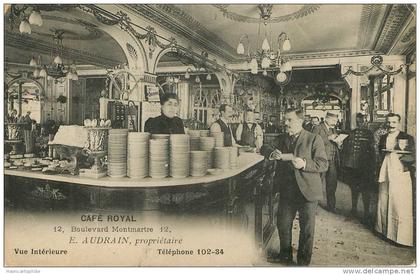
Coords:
pixel 328 133
pixel 298 179
pixel 307 125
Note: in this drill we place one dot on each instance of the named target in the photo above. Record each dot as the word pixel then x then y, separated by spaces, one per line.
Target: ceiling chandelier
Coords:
pixel 267 58
pixel 56 70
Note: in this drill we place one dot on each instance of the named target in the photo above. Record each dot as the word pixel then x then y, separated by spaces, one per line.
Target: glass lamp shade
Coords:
pixel 288 66
pixel 240 49
pixel 187 75
pixel 265 45
pixel 254 64
pixel 58 60
pixel 265 63
pixel 33 62
pixel 35 18
pixel 208 77
pixel 197 79
pixel 24 27
pixel 69 75
pixel 75 77
pixel 286 45
pixel 264 73
pixel 43 73
pixel 281 77
pixel 36 72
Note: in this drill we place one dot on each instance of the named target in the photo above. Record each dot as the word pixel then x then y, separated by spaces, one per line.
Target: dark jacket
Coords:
pixel 164 125
pixel 308 147
pixel 358 150
pixel 330 147
pixel 227 136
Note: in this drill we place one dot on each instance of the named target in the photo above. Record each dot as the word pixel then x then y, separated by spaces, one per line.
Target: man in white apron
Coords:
pixel 395 202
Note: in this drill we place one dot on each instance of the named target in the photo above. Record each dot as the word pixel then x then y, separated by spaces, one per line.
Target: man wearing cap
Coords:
pixel 359 162
pixel 221 125
pixel 328 134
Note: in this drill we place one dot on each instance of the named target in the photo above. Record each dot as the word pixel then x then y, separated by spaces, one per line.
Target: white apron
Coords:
pixel 395 202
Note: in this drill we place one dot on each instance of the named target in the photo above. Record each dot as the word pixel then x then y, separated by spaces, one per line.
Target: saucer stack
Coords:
pixel 194 140
pixel 198 164
pixel 233 157
pixel 221 160
pixel 179 164
pixel 117 153
pixel 160 136
pixel 204 133
pixel 207 144
pixel 158 158
pixel 218 136
pixel 138 155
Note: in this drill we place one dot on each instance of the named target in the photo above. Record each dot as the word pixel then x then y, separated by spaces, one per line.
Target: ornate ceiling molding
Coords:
pixel 369 20
pixel 45 47
pixel 409 35
pixel 397 17
pixel 181 23
pixel 93 32
pixel 302 12
pixel 329 54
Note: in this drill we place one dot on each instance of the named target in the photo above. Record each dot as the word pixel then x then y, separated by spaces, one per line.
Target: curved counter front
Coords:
pixel 245 161
pixel 243 195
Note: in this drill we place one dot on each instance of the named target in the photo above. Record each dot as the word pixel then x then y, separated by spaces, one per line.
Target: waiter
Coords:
pixel 328 134
pixel 221 125
pixel 249 133
pixel 167 122
pixel 395 215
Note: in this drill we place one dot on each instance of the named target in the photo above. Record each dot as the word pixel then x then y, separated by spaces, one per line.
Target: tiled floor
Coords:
pixel 343 241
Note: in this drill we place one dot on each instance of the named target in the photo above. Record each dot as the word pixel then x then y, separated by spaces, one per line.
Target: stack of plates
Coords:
pixel 179 156
pixel 198 164
pixel 158 158
pixel 218 136
pixel 138 155
pixel 204 133
pixel 221 159
pixel 160 136
pixel 194 139
pixel 207 144
pixel 233 157
pixel 117 153
pixel 194 133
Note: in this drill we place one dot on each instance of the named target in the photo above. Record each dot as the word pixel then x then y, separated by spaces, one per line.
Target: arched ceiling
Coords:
pixel 84 42
pixel 315 31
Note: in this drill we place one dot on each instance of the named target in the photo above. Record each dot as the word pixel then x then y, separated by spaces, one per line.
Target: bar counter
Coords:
pixel 243 195
pixel 245 161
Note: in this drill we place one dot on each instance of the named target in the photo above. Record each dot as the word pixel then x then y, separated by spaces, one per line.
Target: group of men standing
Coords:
pixel 315 162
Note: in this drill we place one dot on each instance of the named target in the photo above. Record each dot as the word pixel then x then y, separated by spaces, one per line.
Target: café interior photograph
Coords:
pixel 277 120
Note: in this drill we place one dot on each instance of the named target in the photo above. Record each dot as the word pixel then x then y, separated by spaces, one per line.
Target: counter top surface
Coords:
pixel 245 161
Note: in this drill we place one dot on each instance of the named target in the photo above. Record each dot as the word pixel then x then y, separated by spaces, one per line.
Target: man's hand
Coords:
pixel 332 137
pixel 276 154
pixel 298 163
